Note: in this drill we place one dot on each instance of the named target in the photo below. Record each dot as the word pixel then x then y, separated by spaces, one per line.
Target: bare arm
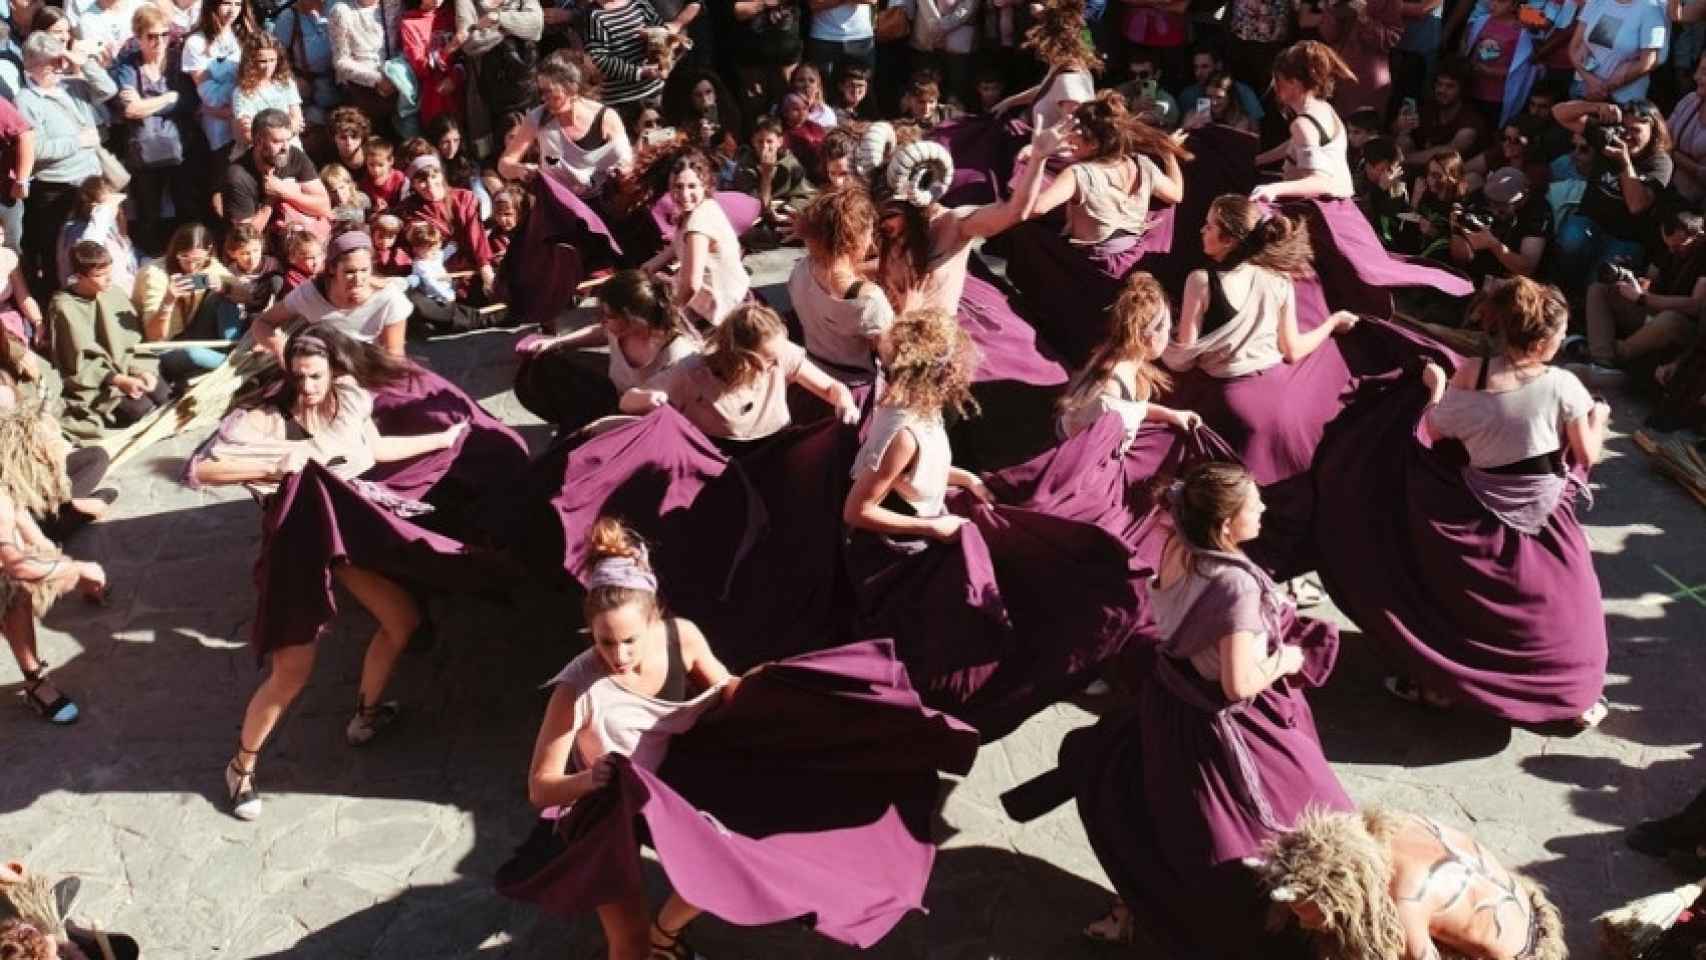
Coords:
pixel 393 449
pixel 863 509
pixel 1191 307
pixel 394 339
pixel 548 783
pixel 1295 345
pixel 690 279
pixel 1246 668
pixel 516 145
pixel 1587 433
pixel 1169 187
pixel 223 473
pixel 828 389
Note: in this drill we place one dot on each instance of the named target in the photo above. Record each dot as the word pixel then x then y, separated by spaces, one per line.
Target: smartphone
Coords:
pixel 1409 105
pixel 198 281
pixel 1202 105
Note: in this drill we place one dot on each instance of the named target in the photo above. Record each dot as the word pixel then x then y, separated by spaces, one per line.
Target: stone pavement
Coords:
pixel 387 852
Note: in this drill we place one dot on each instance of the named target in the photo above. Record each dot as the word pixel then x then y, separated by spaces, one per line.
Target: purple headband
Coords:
pixel 345 242
pixel 626 572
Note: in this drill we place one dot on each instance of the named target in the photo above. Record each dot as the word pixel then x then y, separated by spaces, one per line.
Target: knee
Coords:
pixel 402 622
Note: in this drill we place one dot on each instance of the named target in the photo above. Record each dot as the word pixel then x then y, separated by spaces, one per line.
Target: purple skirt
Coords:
pixel 1176 789
pixel 488 456
pixel 569 388
pixel 1354 271
pixel 826 816
pixel 645 232
pixel 563 242
pixel 984 148
pixel 1067 288
pixel 1506 622
pixel 316 521
pixel 1017 382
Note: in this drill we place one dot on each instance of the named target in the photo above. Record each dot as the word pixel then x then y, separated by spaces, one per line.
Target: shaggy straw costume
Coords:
pixel 1341 863
pixel 36 483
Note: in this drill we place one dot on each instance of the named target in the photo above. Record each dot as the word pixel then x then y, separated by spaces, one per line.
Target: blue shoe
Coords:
pixel 61 711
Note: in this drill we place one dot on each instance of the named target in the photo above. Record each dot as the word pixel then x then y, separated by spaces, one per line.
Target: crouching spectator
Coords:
pixel 1630 318
pixel 94 335
pixel 189 295
pixel 1630 168
pixel 1502 232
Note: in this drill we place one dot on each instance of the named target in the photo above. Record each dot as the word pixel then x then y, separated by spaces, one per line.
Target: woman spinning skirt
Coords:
pixel 1475 579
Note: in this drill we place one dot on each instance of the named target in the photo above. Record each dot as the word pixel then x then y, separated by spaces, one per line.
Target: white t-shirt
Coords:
pixel 1616 32
pixel 110 28
pixel 219 59
pixel 1502 428
pixel 385 308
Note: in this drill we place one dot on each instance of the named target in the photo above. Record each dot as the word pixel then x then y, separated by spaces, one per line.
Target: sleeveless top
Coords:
pixel 923 485
pixel 1120 402
pixel 1103 209
pixel 626 376
pixel 1330 156
pixel 610 718
pixel 581 165
pixel 1513 431
pixel 1236 341
pixel 1075 85
pixel 944 280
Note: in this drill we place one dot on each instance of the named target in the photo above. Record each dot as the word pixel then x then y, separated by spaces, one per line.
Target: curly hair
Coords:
pixel 1272 241
pixel 1339 862
pixel 1137 315
pixel 1521 314
pixel 1313 65
pixel 24 941
pixel 611 539
pixel 838 223
pixel 350 119
pixel 248 76
pixel 1058 38
pixel 930 369
pixel 1108 123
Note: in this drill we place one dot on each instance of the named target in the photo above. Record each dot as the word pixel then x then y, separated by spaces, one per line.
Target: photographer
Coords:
pixel 1630 147
pixel 1502 233
pixel 1652 313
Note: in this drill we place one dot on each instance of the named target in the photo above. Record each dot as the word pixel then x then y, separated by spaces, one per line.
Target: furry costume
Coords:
pixel 1341 863
pixel 36 483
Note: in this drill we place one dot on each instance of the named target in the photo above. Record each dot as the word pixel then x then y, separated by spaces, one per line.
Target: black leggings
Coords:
pixel 86 467
pixel 132 409
pixel 436 317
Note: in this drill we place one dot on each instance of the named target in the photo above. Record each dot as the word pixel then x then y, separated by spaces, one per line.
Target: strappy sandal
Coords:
pixel 61 711
pixel 1116 927
pixel 369 721
pixel 240 787
pixel 675 949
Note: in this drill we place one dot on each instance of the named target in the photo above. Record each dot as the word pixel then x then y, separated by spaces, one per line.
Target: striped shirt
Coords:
pixel 615 43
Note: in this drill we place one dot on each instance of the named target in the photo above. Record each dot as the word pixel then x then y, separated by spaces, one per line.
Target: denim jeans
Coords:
pixel 12 221
pixel 826 55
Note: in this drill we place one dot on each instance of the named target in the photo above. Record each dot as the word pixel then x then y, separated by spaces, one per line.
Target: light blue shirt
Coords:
pixel 60 115
pixel 850 21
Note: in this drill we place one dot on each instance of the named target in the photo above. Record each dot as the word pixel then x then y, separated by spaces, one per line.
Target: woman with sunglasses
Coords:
pixel 1628 172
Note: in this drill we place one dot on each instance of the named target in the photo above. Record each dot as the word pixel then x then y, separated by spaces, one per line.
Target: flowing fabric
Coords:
pixel 1275 421
pixel 488 455
pixel 568 388
pixel 826 816
pixel 644 232
pixel 1354 270
pixel 1175 789
pixel 984 148
pixel 1508 622
pixel 316 521
pixel 1017 380
pixel 563 242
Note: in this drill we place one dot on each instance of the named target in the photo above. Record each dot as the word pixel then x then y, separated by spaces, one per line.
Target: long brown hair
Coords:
pixel 1140 309
pixel 371 365
pixel 930 370
pixel 1117 132
pixel 645 301
pixel 904 255
pixel 836 223
pixel 248 76
pixel 1313 65
pixel 1209 495
pixel 1058 39
pixel 1272 241
pixel 734 356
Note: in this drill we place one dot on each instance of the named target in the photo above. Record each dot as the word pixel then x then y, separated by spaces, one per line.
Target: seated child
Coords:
pixel 1380 189
pixel 94 333
pixel 390 259
pixel 923 101
pixel 349 205
pixel 384 184
pixel 431 289
pixel 766 170
pixel 306 257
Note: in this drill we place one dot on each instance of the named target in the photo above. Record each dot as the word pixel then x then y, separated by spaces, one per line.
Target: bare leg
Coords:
pixel 19 625
pixel 398 617
pixel 625 928
pixel 287 675
pixel 673 917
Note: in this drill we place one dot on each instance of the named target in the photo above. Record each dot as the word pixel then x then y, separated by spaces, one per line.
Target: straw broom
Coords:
pixel 1629 931
pixel 1677 458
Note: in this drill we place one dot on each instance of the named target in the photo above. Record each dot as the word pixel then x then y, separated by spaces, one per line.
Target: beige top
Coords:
pixel 1249 342
pixel 752 412
pixel 262 436
pixel 924 483
pixel 944 280
pixel 1511 425
pixel 1104 205
pixel 1076 86
pixel 838 330
pixel 610 718
pixel 1111 399
pixel 626 376
pixel 725 280
pixel 152 283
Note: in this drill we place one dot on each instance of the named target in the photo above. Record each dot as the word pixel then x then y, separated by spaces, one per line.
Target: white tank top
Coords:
pixel 582 171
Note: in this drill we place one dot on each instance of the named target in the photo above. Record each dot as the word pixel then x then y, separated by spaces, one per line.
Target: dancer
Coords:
pixel 645 332
pixel 1315 156
pixel 1219 754
pixel 348 296
pixel 33 571
pixel 711 280
pixel 905 467
pixel 322 413
pixel 1121 376
pixel 841 314
pixel 1384 883
pixel 1118 166
pixel 647 678
pixel 737 391
pixel 1486 594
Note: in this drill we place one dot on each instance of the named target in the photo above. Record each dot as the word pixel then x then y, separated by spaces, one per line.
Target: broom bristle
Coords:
pixel 34 901
pixel 1631 929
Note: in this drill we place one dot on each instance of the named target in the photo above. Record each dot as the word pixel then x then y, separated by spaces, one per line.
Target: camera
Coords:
pixel 1617 271
pixel 1472 222
pixel 1599 136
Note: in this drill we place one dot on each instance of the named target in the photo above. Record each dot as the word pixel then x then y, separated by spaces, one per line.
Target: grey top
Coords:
pixel 58 115
pixel 1511 425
